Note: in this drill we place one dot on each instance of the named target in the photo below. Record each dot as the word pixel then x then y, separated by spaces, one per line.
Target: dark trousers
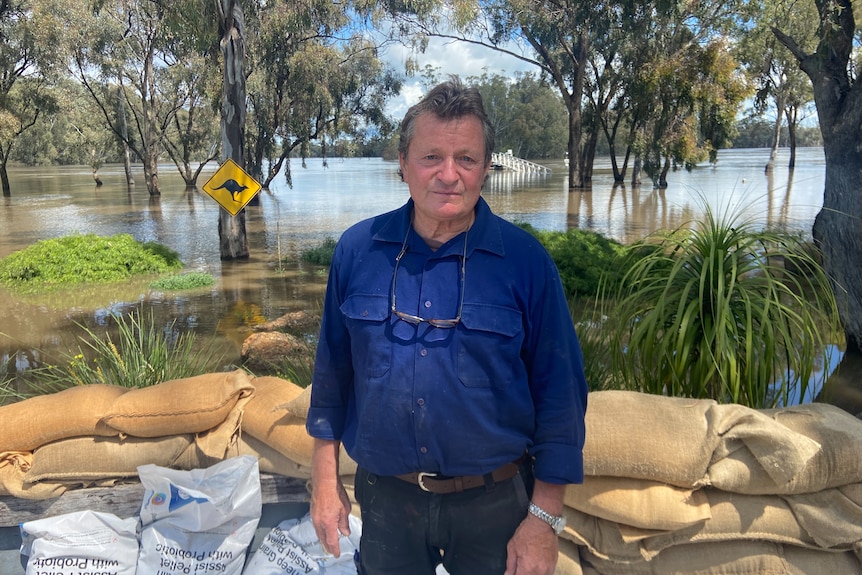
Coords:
pixel 408 531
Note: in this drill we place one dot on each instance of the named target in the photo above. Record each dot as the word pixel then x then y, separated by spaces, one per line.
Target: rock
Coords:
pixel 267 351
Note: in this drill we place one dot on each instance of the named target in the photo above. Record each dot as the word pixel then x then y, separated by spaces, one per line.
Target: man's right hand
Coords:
pixel 330 505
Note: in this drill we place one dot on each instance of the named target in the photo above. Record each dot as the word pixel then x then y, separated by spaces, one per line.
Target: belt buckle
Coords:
pixel 420 480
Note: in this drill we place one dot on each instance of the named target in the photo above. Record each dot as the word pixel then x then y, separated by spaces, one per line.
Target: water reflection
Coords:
pixel 52 202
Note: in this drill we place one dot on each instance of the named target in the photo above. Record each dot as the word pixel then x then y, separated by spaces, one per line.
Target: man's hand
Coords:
pixel 533 549
pixel 330 505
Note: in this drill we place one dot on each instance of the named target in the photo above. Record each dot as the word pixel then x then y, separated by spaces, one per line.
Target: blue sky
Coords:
pixel 451 57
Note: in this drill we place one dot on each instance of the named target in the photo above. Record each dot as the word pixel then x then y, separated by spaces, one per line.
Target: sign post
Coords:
pixel 232 187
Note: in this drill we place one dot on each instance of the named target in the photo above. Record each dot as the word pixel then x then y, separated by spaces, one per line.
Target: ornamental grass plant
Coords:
pixel 141 354
pixel 725 311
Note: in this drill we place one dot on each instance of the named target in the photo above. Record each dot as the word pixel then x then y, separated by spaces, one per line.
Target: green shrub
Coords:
pixel 713 312
pixel 321 254
pixel 190 280
pixel 84 258
pixel 587 261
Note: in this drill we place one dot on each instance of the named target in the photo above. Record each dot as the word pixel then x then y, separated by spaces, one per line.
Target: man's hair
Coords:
pixel 450 100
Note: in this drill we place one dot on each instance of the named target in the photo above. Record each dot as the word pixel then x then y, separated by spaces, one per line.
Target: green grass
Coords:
pixel 139 355
pixel 84 258
pixel 320 254
pixel 186 281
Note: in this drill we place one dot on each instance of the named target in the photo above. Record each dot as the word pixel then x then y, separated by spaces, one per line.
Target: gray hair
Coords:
pixel 450 100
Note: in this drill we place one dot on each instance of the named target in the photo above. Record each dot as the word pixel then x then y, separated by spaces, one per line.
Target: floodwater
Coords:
pixel 49 202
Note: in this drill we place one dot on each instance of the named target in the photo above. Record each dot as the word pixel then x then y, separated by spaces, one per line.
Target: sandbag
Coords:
pixel 298 407
pixel 734 517
pixel 836 463
pixel 189 405
pixel 33 422
pixel 833 517
pixel 13 468
pixel 638 502
pixel 277 428
pixel 732 558
pixel 644 436
pixel 84 459
pixel 568 560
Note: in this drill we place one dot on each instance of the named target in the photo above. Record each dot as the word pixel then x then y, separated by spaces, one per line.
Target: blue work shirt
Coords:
pixel 508 378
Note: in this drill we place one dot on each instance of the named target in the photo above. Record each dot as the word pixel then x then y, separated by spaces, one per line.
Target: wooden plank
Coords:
pixel 125 500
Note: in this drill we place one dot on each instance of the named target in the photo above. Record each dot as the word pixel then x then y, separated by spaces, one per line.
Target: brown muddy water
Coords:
pixel 49 202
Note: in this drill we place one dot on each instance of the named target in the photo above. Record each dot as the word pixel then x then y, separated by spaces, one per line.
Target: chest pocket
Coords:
pixel 489 347
pixel 366 317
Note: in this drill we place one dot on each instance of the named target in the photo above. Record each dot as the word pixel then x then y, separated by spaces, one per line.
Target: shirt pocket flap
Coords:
pixel 492 318
pixel 367 307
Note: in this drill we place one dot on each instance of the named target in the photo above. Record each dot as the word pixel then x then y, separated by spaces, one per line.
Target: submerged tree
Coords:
pixel 833 70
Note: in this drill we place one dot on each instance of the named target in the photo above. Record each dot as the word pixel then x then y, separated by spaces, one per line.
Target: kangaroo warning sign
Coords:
pixel 231 187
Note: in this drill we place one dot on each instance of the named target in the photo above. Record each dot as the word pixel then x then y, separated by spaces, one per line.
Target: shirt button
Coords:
pixel 427 303
pixel 423 449
pixel 420 401
pixel 423 352
pixel 365 313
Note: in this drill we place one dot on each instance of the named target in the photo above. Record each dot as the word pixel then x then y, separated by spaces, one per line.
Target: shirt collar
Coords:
pixel 484 235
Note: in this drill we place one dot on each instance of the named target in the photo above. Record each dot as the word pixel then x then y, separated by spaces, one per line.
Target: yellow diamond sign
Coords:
pixel 231 187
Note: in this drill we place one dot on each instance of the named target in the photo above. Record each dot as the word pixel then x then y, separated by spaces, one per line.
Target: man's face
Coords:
pixel 445 167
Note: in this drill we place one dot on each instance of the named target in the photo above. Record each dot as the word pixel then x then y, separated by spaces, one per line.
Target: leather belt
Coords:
pixel 443 484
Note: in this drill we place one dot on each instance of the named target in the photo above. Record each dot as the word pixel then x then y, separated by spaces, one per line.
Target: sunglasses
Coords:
pixel 415 319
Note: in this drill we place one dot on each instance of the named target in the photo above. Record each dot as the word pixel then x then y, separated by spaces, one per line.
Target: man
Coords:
pixel 449 369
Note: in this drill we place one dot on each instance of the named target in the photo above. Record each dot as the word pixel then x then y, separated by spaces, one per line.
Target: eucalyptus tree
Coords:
pixel 695 99
pixel 315 73
pixel 191 134
pixel 31 44
pixel 121 50
pixel 833 68
pixel 780 82
pixel 563 36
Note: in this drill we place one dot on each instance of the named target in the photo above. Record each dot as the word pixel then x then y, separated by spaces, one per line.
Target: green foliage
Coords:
pixel 183 281
pixel 321 254
pixel 723 311
pixel 298 369
pixel 83 259
pixel 586 260
pixel 143 354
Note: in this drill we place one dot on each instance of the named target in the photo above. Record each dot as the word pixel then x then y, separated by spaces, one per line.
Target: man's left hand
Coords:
pixel 533 550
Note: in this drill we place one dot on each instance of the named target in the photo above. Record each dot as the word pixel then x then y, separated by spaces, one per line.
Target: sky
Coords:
pixel 450 57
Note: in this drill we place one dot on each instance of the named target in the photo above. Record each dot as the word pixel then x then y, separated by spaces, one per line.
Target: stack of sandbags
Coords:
pixel 694 487
pixel 96 435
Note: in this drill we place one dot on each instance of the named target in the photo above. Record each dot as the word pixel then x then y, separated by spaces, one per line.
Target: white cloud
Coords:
pixel 448 57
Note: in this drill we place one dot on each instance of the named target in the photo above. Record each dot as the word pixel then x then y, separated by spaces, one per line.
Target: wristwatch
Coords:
pixel 557 523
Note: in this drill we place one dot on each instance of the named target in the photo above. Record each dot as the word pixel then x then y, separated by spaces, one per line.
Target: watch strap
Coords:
pixel 557 522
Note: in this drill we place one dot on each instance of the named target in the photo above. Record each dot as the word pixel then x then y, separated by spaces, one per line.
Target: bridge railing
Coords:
pixel 511 162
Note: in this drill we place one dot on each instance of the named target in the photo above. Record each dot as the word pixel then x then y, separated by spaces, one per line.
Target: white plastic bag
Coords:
pixel 292 548
pixel 80 542
pixel 201 521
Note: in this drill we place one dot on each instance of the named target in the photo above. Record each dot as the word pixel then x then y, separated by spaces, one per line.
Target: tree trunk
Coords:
pixel 636 171
pixel 573 103
pixel 776 133
pixel 662 179
pixel 839 108
pixel 792 124
pixel 150 145
pixel 4 180
pixel 233 241
pixel 124 132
